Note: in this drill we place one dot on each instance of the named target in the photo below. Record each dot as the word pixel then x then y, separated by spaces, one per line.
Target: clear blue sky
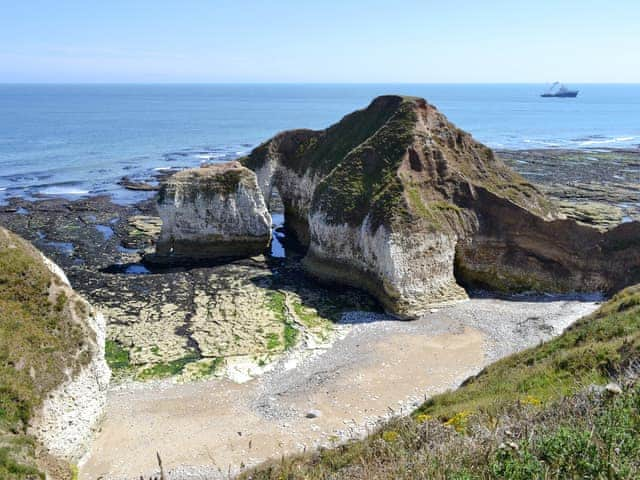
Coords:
pixel 319 41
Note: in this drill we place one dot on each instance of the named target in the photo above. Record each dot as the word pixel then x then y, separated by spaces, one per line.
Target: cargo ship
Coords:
pixel 559 90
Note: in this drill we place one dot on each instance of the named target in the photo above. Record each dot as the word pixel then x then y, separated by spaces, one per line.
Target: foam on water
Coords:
pixel 617 141
pixel 581 143
pixel 63 191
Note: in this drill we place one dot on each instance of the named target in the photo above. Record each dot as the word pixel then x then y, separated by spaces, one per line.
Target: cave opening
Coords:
pixel 284 240
pixel 278 247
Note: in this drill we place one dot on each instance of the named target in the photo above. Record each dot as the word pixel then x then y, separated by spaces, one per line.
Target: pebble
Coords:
pixel 613 388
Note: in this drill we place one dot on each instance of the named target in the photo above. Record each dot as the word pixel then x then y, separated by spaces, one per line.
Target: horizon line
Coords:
pixel 305 83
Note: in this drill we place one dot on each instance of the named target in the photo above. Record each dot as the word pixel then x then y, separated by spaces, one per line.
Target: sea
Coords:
pixel 78 140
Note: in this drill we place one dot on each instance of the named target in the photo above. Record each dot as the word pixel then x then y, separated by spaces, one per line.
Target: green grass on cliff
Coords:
pixel 366 181
pixel 538 414
pixel 358 158
pixel 38 342
pixel 359 161
pixel 211 183
pixel 436 213
pixel 589 352
pixel 322 151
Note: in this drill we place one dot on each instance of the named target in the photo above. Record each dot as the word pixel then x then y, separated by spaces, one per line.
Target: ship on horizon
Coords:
pixel 557 89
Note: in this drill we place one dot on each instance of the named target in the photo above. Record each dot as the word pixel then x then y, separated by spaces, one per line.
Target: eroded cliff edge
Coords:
pixel 398 201
pixel 54 375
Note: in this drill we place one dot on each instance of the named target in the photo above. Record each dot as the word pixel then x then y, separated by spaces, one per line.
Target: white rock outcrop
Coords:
pixel 211 212
pixel 414 270
pixel 70 414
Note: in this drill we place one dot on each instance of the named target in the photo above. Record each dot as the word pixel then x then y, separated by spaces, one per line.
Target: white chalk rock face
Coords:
pixel 212 212
pixel 409 272
pixel 296 192
pixel 70 414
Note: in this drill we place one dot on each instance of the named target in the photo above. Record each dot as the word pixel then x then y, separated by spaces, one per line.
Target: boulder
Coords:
pixel 211 212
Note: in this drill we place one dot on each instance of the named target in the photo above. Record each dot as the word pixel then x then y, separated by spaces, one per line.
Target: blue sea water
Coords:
pixel 74 140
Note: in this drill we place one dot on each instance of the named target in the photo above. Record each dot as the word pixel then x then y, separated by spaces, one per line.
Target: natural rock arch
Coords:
pixel 396 200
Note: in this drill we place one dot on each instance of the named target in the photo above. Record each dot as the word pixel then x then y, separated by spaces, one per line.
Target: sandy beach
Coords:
pixel 382 367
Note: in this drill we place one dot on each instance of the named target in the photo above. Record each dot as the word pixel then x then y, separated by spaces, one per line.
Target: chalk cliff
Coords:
pixel 54 374
pixel 514 250
pixel 211 212
pixel 397 200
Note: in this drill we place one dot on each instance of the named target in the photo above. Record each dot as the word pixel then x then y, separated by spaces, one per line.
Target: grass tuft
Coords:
pixel 117 356
pixel 167 369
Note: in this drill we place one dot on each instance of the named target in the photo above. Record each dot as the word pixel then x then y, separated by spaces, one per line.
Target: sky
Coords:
pixel 332 41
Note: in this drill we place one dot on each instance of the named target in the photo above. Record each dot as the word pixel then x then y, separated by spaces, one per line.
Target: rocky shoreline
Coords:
pixel 179 321
pixel 100 245
pixel 598 187
pixel 242 319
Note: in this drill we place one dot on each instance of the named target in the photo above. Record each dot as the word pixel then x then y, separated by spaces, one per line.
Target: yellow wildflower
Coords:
pixel 423 417
pixel 390 436
pixel 459 421
pixel 531 400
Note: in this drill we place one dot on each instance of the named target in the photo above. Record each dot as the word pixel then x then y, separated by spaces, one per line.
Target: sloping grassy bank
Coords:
pixel 539 414
pixel 38 344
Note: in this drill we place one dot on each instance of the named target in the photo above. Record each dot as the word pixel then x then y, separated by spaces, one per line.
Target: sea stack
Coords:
pixel 211 212
pixel 378 198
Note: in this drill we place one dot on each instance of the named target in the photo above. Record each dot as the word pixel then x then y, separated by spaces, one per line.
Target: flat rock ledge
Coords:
pixel 210 213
